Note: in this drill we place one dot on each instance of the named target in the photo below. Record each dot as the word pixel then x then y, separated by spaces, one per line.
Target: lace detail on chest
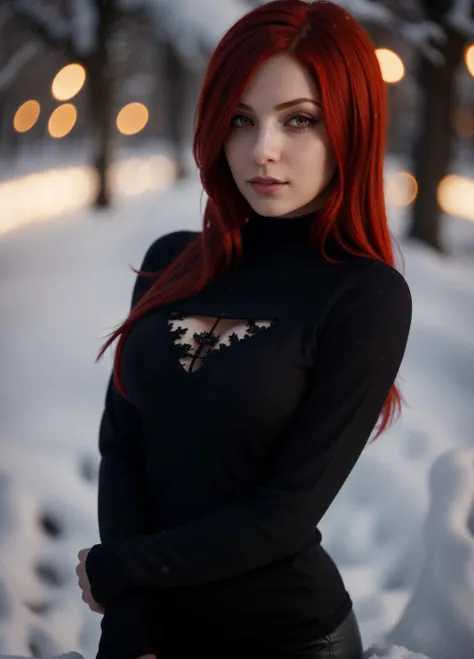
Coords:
pixel 196 338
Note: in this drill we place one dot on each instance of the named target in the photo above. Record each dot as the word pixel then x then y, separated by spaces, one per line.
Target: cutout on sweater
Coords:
pixel 196 338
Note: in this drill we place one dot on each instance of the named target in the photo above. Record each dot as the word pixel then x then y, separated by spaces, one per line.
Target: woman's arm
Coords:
pixel 359 351
pixel 123 512
pixel 123 507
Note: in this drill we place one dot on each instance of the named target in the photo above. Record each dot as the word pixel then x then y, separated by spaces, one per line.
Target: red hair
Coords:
pixel 333 46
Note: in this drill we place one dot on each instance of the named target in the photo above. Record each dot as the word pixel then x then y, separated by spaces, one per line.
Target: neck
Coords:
pixel 283 237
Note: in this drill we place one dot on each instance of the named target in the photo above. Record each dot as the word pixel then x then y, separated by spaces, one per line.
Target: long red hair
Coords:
pixel 335 48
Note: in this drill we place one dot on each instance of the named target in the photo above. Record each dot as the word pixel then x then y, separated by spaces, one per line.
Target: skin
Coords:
pixel 289 144
pixel 84 585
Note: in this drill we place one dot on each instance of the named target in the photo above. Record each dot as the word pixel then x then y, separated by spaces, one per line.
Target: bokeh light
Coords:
pixel 62 120
pixel 463 122
pixel 391 65
pixel 132 118
pixel 51 193
pixel 456 196
pixel 401 189
pixel 68 82
pixel 469 59
pixel 45 196
pixel 133 176
pixel 26 116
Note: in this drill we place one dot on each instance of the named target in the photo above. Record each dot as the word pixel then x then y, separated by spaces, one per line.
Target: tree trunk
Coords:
pixel 100 111
pixel 101 96
pixel 433 145
pixel 176 84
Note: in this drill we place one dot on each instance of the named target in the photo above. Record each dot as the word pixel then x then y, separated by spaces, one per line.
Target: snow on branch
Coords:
pixel 15 63
pixel 83 22
pixel 423 35
pixel 190 24
pixel 4 15
pixel 68 655
pixel 46 24
pixel 365 10
pixel 460 17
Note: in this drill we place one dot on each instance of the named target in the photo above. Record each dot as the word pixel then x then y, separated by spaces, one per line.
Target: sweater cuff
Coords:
pixel 131 626
pixel 105 573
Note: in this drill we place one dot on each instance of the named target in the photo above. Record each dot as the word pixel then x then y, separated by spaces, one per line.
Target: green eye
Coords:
pixel 240 121
pixel 236 117
pixel 309 121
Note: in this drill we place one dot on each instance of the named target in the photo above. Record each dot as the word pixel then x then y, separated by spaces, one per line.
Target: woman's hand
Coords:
pixel 84 584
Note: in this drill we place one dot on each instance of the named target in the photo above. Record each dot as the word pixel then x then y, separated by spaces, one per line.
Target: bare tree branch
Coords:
pixel 460 17
pixel 425 36
pixel 15 63
pixel 46 25
pixel 4 15
pixel 82 18
pixel 365 10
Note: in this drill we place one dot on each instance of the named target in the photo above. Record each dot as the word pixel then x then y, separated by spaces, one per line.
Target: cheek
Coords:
pixel 237 157
pixel 234 150
pixel 328 156
pixel 312 156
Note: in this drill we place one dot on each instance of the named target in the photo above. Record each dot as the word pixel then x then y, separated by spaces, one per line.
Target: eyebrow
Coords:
pixel 286 104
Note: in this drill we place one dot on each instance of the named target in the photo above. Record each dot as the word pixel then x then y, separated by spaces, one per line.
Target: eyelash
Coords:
pixel 299 115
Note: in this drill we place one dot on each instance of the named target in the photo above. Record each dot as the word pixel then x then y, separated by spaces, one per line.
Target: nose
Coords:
pixel 267 147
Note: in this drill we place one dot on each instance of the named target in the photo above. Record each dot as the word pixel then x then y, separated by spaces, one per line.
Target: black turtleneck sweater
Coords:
pixel 213 480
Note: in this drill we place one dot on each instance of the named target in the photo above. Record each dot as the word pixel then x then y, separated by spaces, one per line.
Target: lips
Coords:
pixel 266 181
pixel 266 187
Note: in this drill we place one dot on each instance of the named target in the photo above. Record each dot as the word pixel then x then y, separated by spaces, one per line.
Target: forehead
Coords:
pixel 280 78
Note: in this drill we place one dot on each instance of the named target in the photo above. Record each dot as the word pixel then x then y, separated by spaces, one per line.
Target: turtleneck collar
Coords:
pixel 276 236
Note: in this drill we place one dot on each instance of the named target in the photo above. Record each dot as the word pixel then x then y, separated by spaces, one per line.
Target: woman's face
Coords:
pixel 287 143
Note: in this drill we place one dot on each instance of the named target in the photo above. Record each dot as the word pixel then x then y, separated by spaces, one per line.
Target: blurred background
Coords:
pixel 97 102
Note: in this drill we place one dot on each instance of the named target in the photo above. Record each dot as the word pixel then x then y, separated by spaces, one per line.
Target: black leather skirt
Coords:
pixel 344 642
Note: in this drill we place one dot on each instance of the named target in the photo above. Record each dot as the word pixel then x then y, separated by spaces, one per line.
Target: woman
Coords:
pixel 256 359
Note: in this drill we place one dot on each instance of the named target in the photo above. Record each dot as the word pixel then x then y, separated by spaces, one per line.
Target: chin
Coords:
pixel 271 208
pixel 274 209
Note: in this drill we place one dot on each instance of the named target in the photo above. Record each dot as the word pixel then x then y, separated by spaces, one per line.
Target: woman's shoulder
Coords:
pixel 371 273
pixel 165 248
pixel 370 284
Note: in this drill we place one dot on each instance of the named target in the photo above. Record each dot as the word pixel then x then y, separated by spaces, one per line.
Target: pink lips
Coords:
pixel 266 186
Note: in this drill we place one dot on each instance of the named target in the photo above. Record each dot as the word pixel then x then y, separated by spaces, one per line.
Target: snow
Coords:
pixel 366 10
pixel 68 655
pixel 10 69
pixel 461 18
pixel 423 35
pixel 194 27
pixel 45 16
pixel 401 530
pixel 83 24
pixel 77 30
pixel 4 15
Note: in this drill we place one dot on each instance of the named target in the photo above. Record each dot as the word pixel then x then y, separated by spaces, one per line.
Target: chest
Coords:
pixel 237 371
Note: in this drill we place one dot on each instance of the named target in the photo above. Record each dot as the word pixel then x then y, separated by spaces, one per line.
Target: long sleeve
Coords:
pixel 130 616
pixel 122 513
pixel 357 351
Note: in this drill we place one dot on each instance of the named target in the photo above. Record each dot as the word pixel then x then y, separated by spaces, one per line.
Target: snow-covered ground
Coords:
pixel 402 528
